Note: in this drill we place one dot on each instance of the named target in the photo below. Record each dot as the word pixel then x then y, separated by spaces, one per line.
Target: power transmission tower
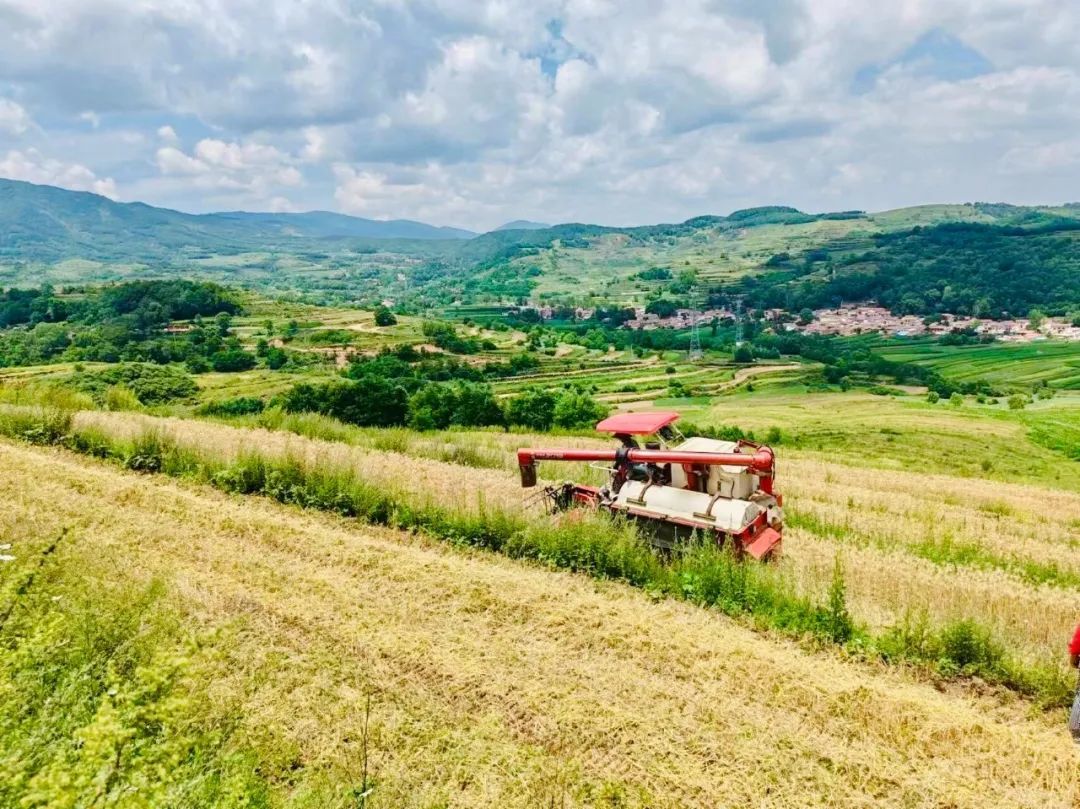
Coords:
pixel 695 340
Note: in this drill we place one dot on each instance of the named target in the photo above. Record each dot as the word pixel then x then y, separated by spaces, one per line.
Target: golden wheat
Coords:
pixel 498 684
pixel 882 512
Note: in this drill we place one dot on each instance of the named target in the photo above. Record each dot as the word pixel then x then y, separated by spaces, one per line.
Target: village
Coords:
pixel 853 319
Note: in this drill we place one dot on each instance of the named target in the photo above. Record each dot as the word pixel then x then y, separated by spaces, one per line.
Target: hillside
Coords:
pixel 1004 258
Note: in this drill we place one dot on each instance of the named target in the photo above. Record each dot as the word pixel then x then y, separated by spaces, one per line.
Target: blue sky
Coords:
pixel 473 113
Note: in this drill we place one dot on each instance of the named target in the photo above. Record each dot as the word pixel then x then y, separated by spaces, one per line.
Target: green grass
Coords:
pixel 105 693
pixel 906 432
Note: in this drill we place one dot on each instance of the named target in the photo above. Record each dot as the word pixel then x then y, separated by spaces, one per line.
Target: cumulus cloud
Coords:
pixel 218 164
pixel 31 166
pixel 14 120
pixel 628 111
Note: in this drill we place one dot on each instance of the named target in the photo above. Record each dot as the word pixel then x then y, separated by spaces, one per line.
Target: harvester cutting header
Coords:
pixel 675 486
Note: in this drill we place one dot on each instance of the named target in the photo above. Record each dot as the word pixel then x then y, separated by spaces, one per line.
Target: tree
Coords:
pixel 743 354
pixel 1036 317
pixel 369 402
pixel 468 404
pixel 534 409
pixel 956 400
pixel 384 317
pixel 933 397
pixel 232 360
pixel 661 307
pixel 1017 401
pixel 575 408
pixel 222 323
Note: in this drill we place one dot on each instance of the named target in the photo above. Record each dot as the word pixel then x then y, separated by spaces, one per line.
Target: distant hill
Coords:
pixel 523 224
pixel 41 223
pixel 988 258
pixel 973 257
pixel 325 224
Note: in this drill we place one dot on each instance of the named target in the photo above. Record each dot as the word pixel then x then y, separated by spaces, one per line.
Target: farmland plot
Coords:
pixel 491 683
pixel 913 546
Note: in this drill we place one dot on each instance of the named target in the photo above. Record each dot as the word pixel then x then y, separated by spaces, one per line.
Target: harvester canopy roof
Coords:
pixel 637 423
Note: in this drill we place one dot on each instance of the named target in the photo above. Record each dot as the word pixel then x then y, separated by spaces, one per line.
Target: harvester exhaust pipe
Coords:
pixel 528 472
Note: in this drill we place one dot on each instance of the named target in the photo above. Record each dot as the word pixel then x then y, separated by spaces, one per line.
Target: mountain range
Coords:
pixel 41 223
pixel 975 256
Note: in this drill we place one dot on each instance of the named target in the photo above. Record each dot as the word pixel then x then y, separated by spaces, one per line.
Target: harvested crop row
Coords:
pixel 886 585
pixel 427 480
pixel 499 684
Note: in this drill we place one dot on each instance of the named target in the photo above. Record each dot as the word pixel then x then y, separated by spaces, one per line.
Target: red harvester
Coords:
pixel 676 486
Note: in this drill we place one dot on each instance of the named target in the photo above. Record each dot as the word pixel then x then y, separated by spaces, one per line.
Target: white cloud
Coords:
pixel 31 166
pixel 628 111
pixel 216 164
pixel 13 118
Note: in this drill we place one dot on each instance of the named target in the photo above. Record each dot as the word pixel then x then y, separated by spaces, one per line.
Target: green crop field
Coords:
pixel 1053 361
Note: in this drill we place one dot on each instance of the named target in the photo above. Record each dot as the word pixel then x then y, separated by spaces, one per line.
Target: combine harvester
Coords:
pixel 675 486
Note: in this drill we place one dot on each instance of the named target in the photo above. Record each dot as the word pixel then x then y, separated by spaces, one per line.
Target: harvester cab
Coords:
pixel 675 487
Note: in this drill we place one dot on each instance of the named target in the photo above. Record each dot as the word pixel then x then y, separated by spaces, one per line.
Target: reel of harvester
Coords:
pixel 675 487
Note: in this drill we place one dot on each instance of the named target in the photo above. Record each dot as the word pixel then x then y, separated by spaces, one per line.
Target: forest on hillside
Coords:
pixel 964 268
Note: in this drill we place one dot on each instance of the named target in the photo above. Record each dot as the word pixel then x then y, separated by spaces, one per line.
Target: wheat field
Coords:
pixel 495 683
pixel 1007 554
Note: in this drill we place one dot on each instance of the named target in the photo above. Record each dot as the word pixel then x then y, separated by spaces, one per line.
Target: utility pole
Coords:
pixel 738 322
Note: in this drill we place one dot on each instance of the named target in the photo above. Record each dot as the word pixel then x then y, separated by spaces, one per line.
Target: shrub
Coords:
pixel 119 397
pixel 384 317
pixel 151 384
pixel 276 358
pixel 237 406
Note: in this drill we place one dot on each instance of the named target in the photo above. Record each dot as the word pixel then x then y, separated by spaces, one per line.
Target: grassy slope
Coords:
pixel 495 683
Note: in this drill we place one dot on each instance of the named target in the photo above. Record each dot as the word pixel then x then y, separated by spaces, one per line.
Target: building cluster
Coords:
pixel 852 319
pixel 862 319
pixel 681 319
